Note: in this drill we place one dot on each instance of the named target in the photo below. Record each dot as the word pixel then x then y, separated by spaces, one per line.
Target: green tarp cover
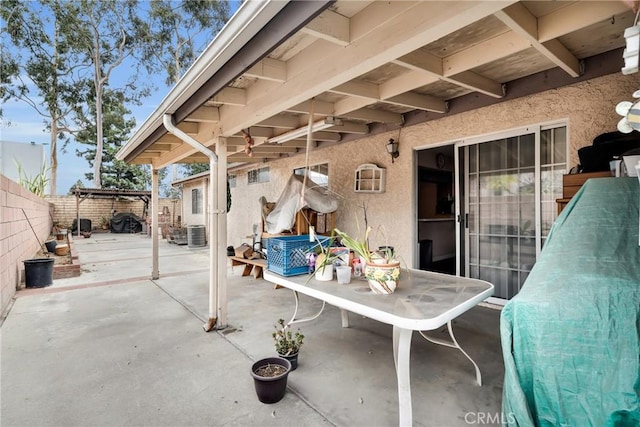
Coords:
pixel 571 337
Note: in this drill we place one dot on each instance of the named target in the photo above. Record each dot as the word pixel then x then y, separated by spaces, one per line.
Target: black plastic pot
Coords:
pixel 293 359
pixel 51 246
pixel 270 389
pixel 38 273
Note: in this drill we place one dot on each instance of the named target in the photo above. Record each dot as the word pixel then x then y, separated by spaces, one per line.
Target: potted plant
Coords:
pixel 61 230
pixel 104 222
pixel 270 378
pixel 381 267
pixel 287 343
pixel 324 259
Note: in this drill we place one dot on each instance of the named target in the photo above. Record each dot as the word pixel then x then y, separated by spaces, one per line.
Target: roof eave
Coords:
pixel 250 18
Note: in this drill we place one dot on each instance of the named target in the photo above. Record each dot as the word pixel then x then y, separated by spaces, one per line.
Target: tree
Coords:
pixel 104 35
pixel 176 32
pixel 117 125
pixel 78 184
pixel 41 61
pixel 189 169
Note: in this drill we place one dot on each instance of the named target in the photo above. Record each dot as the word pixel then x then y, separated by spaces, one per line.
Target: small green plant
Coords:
pixel 36 184
pixel 386 255
pixel 323 251
pixel 287 343
pixel 359 246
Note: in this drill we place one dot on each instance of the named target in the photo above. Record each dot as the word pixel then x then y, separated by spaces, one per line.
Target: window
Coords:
pixel 317 173
pixel 258 175
pixel 232 181
pixel 196 201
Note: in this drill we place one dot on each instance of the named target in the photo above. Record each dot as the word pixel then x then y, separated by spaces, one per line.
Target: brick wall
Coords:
pixel 17 240
pixel 94 208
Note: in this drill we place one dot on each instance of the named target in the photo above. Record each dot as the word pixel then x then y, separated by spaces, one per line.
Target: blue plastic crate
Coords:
pixel 287 255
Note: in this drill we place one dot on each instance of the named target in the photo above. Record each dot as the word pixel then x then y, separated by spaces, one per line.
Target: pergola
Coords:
pixel 83 194
pixel 283 77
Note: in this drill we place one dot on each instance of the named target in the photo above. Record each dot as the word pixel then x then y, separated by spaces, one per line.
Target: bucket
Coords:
pixel 51 245
pixel 38 273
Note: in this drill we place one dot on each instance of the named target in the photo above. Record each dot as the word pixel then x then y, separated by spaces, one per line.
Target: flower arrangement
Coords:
pixel 382 267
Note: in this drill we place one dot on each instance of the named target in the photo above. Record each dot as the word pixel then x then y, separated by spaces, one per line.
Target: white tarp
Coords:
pixel 292 199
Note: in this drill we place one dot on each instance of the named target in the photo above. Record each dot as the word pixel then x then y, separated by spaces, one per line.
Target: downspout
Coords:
pixel 212 206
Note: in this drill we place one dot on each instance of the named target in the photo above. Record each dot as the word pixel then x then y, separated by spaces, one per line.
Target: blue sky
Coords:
pixel 21 123
pixel 26 126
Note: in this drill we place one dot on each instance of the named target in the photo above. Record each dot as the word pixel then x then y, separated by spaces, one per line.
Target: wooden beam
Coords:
pixel 269 69
pixel 330 26
pixel 204 115
pixel 349 127
pixel 322 136
pixel 521 21
pixel 576 16
pixel 190 128
pixel 231 96
pixel 158 146
pixel 358 88
pixel 488 51
pixel 169 139
pixel 274 148
pixel 319 107
pixel 371 115
pixel 280 121
pixel 432 65
pixel 416 101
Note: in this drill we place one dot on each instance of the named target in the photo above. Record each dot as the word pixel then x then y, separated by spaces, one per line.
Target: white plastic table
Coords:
pixel 423 301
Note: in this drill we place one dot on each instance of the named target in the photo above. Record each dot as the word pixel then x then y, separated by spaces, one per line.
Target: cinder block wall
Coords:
pixel 170 210
pixel 17 239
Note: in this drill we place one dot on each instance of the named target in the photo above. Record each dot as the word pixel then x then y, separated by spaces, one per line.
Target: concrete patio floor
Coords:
pixel 113 347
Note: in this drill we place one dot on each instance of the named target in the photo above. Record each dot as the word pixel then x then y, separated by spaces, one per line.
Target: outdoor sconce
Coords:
pixel 392 149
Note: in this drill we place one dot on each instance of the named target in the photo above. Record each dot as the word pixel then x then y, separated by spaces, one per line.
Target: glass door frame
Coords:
pixel 461 211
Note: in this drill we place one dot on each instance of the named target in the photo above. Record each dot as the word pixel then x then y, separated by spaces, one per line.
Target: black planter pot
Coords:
pixel 270 389
pixel 293 359
pixel 38 273
pixel 51 246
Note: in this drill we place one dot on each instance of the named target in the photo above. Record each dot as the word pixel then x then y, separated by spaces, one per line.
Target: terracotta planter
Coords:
pixel 382 278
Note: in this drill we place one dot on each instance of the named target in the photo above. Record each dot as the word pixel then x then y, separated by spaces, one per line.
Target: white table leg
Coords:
pixel 345 318
pixel 402 357
pixel 454 344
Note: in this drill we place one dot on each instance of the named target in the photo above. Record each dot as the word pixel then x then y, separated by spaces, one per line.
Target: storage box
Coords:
pixel 287 255
pixel 244 251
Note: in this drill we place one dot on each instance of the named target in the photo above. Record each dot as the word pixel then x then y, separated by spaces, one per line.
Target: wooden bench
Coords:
pixel 251 266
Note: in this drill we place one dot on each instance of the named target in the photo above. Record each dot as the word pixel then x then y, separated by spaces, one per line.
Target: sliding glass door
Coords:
pixel 510 186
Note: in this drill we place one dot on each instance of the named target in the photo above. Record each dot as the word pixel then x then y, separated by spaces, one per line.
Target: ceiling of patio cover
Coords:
pixel 571 337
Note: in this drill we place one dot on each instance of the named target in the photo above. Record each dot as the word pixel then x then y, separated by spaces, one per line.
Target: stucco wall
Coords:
pixel 588 108
pixel 17 239
pixel 189 218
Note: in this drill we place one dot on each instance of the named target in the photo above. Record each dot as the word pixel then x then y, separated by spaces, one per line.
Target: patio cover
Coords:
pixel 571 337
